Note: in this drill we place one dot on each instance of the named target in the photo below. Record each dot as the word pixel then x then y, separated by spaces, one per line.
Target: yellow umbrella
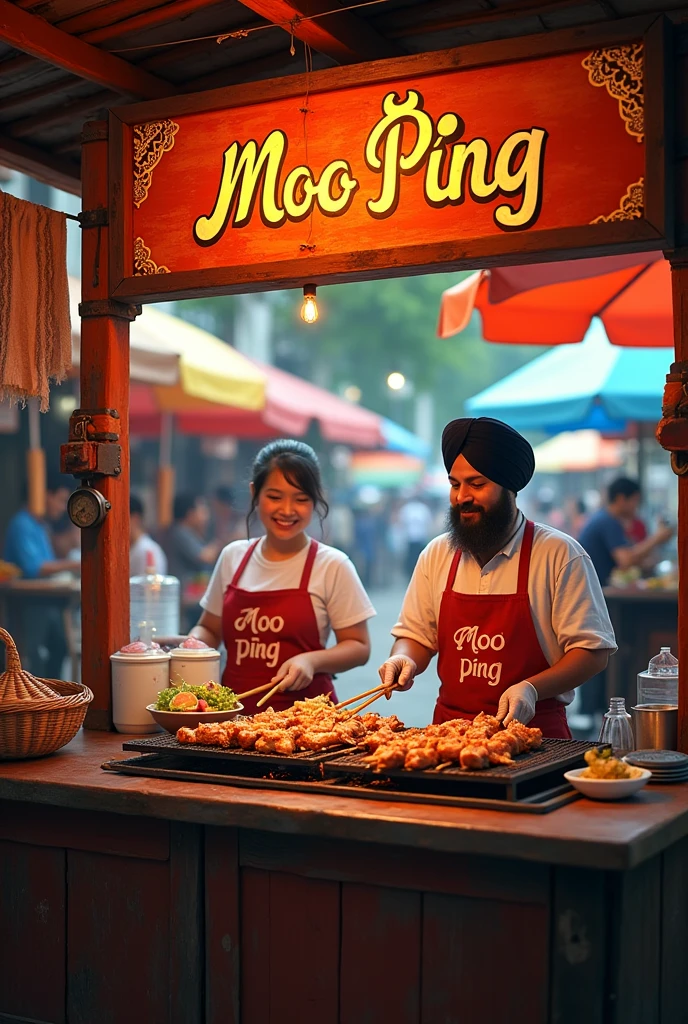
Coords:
pixel 209 369
pixel 184 361
pixel 186 367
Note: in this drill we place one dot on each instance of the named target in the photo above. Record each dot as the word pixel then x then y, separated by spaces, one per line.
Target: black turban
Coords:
pixel 493 448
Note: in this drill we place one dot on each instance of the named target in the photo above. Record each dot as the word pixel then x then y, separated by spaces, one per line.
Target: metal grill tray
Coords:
pixel 169 744
pixel 305 777
pixel 532 773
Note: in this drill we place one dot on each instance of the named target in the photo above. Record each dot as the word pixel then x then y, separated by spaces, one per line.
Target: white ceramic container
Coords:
pixel 194 667
pixel 137 680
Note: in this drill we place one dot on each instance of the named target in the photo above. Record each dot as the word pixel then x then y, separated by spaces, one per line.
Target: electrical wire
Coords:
pixel 243 33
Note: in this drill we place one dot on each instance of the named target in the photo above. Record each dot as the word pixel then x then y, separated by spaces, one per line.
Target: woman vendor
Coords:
pixel 274 600
pixel 513 609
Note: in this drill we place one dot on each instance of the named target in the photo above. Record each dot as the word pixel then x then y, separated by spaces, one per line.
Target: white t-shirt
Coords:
pixel 339 599
pixel 566 600
pixel 138 554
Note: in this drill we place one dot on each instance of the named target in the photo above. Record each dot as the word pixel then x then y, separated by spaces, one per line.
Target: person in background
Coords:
pixel 225 526
pixel 275 599
pixel 415 520
pixel 188 554
pixel 66 539
pixel 28 544
pixel 145 555
pixel 604 536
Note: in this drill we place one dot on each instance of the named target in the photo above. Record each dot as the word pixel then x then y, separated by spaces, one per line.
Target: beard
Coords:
pixel 489 530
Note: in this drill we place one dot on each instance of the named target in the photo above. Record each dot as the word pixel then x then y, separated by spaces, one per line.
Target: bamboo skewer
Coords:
pixel 367 703
pixel 360 696
pixel 251 693
pixel 259 703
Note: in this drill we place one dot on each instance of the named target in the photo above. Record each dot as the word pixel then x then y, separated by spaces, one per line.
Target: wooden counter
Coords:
pixel 159 901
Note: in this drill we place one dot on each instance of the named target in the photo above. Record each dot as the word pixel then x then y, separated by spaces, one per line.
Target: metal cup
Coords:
pixel 655 726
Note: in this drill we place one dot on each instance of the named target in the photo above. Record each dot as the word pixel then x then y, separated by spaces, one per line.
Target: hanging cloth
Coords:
pixel 35 331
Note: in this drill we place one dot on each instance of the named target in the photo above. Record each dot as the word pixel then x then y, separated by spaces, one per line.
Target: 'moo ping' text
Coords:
pixel 454 169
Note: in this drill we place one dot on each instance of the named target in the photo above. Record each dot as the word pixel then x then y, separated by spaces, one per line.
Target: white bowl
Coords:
pixel 607 789
pixel 173 720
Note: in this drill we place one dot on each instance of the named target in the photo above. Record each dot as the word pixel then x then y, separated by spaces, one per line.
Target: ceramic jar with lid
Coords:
pixel 194 666
pixel 137 678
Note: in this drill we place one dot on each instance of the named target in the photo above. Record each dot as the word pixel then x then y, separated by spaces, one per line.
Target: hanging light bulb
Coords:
pixel 309 308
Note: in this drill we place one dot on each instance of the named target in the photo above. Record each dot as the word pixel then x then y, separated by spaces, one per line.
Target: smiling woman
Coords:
pixel 276 599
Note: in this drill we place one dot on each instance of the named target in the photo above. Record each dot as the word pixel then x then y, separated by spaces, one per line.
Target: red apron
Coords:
pixel 487 642
pixel 262 628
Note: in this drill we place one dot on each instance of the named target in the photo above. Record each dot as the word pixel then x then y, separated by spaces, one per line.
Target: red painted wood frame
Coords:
pixel 262 272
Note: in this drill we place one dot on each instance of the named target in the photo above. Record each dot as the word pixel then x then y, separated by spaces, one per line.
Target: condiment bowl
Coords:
pixel 173 720
pixel 607 789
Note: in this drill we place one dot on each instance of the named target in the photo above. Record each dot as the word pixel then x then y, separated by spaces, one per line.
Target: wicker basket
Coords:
pixel 37 716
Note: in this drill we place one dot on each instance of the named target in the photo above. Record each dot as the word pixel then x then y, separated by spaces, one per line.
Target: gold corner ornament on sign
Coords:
pixel 143 264
pixel 151 141
pixel 619 70
pixel 631 205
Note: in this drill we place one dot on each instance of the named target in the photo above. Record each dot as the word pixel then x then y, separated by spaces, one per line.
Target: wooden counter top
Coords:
pixel 585 833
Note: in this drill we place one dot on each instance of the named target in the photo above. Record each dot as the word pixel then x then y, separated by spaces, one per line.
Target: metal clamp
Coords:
pixel 92 449
pixel 109 307
pixel 97 218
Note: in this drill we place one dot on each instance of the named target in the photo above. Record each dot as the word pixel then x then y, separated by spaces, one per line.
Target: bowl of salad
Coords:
pixel 188 706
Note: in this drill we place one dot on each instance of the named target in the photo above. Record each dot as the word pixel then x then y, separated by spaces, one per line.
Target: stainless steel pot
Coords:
pixel 655 726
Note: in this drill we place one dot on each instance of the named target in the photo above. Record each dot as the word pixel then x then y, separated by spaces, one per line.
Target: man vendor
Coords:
pixel 514 609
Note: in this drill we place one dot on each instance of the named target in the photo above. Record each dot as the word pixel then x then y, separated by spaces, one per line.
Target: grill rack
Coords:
pixel 535 772
pixel 530 773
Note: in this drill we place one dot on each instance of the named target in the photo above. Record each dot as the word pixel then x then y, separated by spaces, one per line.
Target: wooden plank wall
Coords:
pixel 171 923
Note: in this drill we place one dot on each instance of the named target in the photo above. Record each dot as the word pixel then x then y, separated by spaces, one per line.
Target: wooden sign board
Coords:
pixel 497 153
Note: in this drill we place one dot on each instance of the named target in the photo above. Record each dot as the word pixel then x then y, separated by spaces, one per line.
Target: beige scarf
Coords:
pixel 35 333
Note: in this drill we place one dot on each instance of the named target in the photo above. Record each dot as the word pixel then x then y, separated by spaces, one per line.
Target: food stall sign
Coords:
pixel 455 159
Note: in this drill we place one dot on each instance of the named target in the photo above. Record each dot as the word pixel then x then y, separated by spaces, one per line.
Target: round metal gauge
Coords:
pixel 87 507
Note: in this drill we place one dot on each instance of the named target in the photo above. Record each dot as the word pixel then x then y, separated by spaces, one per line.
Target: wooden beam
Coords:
pixel 235 74
pixel 105 14
pixel 38 164
pixel 52 88
pixel 679 290
pixel 342 36
pixel 163 15
pixel 13 65
pixel 413 24
pixel 58 115
pixel 36 37
pixel 104 378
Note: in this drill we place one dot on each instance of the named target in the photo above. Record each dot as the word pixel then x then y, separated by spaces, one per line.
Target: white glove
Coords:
pixel 517 703
pixel 398 672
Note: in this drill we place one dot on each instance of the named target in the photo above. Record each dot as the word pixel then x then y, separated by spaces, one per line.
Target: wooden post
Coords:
pixel 104 385
pixel 679 288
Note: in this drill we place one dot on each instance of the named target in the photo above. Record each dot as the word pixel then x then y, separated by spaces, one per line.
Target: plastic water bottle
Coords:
pixel 155 601
pixel 616 728
pixel 659 684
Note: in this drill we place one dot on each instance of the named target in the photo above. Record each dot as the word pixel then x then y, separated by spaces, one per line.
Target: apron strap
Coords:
pixel 524 558
pixel 310 558
pixel 243 563
pixel 453 569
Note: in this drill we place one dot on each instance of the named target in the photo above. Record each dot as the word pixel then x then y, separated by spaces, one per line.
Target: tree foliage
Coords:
pixel 370 329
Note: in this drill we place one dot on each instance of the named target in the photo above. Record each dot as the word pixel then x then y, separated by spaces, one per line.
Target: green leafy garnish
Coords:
pixel 219 698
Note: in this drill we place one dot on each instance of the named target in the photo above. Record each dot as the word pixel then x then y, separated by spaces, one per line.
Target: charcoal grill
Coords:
pixel 534 783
